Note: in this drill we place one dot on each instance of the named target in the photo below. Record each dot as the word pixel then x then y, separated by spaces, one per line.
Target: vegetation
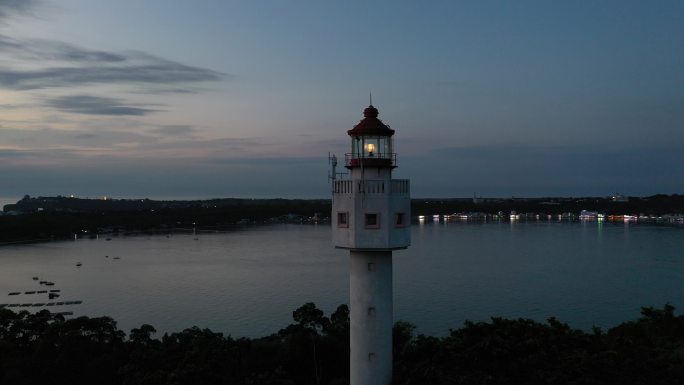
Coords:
pixel 44 348
pixel 61 218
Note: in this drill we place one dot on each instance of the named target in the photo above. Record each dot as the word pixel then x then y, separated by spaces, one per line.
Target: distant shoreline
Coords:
pixel 48 218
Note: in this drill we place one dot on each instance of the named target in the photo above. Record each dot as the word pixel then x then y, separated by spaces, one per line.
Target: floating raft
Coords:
pixel 41 304
pixel 31 292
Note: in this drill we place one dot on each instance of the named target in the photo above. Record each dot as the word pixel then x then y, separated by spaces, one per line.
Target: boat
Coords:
pixel 35 278
pixel 14 293
pixel 79 264
pixel 53 295
pixel 49 284
pixel 117 258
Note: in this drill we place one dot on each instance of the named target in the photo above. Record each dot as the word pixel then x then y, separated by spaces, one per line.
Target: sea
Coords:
pixel 247 282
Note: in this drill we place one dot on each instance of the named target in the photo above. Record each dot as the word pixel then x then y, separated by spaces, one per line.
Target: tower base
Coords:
pixel 371 318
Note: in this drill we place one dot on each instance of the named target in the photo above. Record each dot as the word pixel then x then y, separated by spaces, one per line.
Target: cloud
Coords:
pixel 51 50
pixel 159 72
pixel 150 90
pixel 95 105
pixel 6 153
pixel 174 130
pixel 12 7
pixel 14 106
pixel 137 141
pixel 46 138
pixel 59 64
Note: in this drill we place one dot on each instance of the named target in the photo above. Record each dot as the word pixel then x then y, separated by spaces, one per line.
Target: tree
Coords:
pixel 143 335
pixel 310 317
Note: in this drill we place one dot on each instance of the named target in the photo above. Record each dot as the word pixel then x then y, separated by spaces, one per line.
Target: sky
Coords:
pixel 174 99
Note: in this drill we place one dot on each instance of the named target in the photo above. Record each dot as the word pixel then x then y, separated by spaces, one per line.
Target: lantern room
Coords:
pixel 370 210
pixel 371 142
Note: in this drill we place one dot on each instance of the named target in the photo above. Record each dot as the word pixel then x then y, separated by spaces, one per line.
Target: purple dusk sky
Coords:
pixel 188 99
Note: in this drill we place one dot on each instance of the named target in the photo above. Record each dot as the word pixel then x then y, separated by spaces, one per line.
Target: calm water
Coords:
pixel 248 282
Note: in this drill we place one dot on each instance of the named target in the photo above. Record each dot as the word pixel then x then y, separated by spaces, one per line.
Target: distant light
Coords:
pixel 104 198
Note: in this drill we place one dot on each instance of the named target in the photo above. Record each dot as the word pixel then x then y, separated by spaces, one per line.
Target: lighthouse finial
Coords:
pixel 370 97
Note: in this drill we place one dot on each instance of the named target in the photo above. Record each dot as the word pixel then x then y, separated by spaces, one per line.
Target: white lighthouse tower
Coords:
pixel 370 218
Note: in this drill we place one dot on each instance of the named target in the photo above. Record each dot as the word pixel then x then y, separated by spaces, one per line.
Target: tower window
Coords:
pixel 372 221
pixel 399 220
pixel 343 219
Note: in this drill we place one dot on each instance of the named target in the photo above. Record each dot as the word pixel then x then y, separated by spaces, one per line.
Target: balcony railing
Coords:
pixel 344 186
pixel 380 159
pixel 371 186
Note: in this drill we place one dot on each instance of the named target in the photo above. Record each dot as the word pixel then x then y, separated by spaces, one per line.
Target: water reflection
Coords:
pixel 248 282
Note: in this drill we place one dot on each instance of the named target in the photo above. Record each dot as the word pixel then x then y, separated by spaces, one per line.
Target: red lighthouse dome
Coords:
pixel 371 125
pixel 371 142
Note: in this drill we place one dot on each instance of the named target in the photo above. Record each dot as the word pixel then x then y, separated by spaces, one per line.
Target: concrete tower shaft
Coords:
pixel 371 317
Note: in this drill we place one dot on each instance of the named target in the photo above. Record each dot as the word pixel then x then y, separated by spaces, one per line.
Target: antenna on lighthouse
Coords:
pixel 332 173
pixel 370 98
pixel 332 161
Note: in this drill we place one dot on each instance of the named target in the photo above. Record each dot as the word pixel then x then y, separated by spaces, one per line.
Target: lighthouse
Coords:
pixel 371 218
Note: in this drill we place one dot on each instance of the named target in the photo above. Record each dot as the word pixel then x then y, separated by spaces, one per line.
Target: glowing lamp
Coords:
pixel 371 142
